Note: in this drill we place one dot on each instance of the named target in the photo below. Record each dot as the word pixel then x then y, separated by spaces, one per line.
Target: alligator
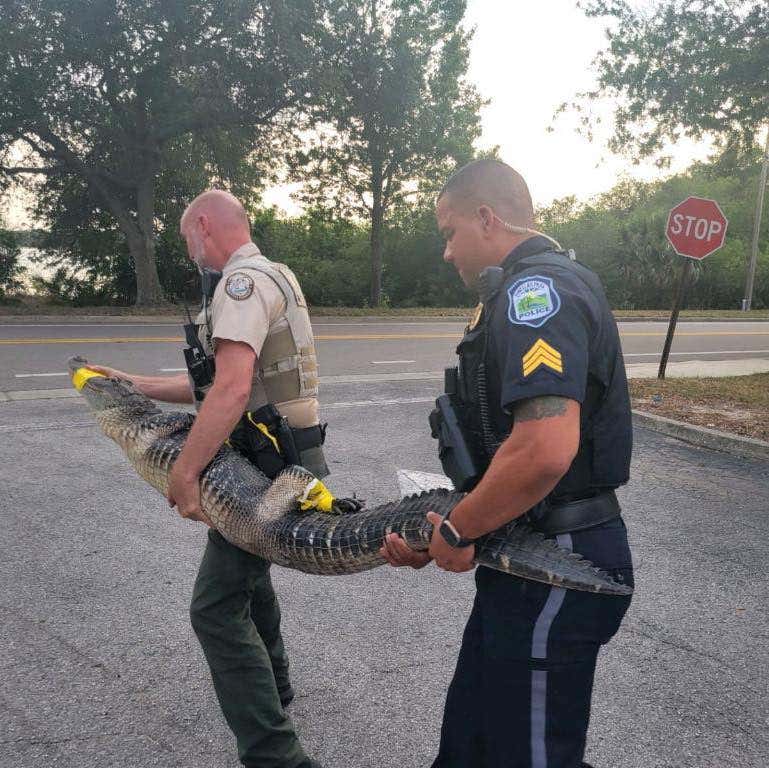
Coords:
pixel 264 516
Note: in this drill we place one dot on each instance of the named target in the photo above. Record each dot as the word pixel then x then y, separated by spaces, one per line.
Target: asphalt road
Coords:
pixel 100 668
pixel 33 355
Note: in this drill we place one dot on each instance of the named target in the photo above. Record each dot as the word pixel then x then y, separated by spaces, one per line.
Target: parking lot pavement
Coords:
pixel 100 666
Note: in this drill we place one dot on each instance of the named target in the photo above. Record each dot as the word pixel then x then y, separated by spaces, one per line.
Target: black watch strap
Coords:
pixel 452 536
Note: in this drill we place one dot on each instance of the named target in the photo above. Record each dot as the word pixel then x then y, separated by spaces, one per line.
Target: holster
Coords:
pixel 458 460
pixel 554 518
pixel 267 441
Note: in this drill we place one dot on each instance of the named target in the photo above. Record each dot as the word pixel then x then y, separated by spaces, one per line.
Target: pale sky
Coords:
pixel 527 57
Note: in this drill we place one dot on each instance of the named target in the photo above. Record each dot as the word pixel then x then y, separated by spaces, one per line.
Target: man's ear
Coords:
pixel 204 225
pixel 486 215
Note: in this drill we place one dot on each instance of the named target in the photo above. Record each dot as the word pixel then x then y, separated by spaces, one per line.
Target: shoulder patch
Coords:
pixel 532 301
pixel 239 286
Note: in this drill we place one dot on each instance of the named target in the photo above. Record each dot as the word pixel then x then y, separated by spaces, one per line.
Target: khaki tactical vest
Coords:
pixel 287 371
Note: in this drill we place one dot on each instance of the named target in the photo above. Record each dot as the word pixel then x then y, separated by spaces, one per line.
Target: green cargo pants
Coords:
pixel 236 617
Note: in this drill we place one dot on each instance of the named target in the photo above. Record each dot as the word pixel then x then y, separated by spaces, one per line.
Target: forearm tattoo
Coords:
pixel 537 408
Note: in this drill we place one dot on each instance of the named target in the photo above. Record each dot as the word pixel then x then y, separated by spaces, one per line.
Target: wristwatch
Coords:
pixel 452 536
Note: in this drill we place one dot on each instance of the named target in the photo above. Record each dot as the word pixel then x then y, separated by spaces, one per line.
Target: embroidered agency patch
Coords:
pixel 532 301
pixel 541 353
pixel 239 286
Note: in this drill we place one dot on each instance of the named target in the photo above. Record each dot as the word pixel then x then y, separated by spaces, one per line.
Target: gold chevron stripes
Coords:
pixel 541 353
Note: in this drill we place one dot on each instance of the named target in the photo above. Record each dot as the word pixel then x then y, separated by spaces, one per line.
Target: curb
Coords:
pixel 745 447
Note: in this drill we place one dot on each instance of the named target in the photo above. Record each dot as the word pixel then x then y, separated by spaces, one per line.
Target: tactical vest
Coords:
pixel 484 421
pixel 288 368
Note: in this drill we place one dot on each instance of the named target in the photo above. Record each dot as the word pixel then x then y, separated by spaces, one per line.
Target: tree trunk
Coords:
pixel 142 246
pixel 377 237
pixel 139 234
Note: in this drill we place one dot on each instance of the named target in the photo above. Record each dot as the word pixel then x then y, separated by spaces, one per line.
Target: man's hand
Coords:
pixel 184 494
pixel 110 373
pixel 398 553
pixel 455 559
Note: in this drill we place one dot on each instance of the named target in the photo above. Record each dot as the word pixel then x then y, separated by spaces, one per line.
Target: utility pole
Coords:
pixel 751 275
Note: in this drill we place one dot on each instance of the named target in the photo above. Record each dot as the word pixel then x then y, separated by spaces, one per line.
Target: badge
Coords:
pixel 541 353
pixel 532 301
pixel 239 286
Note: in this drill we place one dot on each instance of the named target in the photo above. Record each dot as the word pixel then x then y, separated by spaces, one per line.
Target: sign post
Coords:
pixel 696 228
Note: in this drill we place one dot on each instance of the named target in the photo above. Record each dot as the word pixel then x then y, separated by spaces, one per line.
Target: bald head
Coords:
pixel 216 204
pixel 214 224
pixel 492 183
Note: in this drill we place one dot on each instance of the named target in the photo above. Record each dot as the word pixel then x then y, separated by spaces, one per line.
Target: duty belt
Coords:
pixel 554 518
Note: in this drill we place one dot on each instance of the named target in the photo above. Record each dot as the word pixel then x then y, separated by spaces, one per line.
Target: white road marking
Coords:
pixel 31 375
pixel 391 362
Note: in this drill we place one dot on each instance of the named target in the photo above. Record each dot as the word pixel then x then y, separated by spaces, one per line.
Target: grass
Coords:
pixel 738 404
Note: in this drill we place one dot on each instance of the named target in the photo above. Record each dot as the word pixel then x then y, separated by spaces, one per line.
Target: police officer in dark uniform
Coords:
pixel 541 398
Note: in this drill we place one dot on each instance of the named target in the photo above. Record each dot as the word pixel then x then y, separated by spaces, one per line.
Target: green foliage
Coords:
pixel 326 253
pixel 415 274
pixel 621 235
pixel 683 67
pixel 395 111
pixel 10 268
pixel 107 93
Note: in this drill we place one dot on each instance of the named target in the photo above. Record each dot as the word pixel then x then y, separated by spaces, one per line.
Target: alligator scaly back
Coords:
pixel 262 516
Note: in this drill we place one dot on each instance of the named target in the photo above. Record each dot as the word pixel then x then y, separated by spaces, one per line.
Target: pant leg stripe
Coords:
pixel 539 677
pixel 538 718
pixel 550 611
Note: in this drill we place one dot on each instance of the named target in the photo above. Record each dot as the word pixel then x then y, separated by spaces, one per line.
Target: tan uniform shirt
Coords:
pixel 247 306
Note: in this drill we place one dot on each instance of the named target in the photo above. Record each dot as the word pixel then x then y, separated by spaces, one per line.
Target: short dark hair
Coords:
pixel 491 182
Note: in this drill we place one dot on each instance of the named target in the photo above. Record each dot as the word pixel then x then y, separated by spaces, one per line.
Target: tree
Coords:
pixel 396 112
pixel 10 268
pixel 686 68
pixel 621 235
pixel 103 90
pixel 89 252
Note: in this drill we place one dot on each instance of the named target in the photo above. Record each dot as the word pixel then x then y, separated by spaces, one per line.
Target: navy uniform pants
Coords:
pixel 236 617
pixel 520 697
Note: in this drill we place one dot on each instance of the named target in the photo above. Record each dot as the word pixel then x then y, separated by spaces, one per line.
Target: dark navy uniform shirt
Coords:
pixel 551 332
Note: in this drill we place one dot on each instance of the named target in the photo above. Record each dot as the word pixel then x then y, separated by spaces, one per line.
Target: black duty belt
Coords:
pixel 309 437
pixel 552 519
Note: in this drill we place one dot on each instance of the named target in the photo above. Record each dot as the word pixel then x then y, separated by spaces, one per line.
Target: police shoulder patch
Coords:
pixel 239 286
pixel 532 301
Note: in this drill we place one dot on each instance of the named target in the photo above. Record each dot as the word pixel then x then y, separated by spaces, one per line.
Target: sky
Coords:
pixel 528 57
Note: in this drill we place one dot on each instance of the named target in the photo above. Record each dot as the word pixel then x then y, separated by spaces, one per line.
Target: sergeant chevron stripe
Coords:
pixel 541 353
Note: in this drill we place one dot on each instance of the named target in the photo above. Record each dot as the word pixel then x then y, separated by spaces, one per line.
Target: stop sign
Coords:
pixel 696 227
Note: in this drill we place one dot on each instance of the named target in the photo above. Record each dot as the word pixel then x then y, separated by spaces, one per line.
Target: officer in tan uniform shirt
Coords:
pixel 251 361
